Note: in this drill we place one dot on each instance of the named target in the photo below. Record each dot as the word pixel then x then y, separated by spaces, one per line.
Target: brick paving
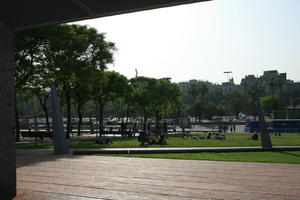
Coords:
pixel 42 175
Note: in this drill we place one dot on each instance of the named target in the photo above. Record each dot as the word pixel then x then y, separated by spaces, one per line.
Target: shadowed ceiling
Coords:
pixel 19 14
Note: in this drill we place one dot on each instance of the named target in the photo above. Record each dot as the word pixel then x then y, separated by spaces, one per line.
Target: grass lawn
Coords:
pixel 291 157
pixel 232 140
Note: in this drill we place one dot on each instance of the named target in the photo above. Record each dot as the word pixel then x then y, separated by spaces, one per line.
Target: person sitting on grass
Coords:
pixel 162 139
pixel 208 136
pixel 103 140
pixel 223 137
pixel 277 134
pixel 201 137
pixel 254 136
pixel 218 136
pixel 143 137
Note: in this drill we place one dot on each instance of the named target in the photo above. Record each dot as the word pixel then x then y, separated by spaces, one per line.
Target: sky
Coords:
pixel 203 40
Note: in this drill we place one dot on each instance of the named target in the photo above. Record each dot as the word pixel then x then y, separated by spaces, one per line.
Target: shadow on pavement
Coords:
pixel 26 157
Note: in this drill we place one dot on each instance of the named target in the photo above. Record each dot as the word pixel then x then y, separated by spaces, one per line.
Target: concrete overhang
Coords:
pixel 20 14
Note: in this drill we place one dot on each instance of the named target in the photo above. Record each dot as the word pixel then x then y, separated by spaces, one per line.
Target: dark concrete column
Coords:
pixel 7 114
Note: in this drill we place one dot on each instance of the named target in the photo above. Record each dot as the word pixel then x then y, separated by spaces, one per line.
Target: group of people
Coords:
pixel 218 136
pixel 228 128
pixel 129 133
pixel 255 135
pixel 154 136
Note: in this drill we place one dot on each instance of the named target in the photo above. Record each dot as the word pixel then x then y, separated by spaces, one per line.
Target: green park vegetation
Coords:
pixel 232 140
pixel 291 157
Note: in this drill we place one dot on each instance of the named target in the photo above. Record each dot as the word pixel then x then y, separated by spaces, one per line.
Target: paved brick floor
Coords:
pixel 42 175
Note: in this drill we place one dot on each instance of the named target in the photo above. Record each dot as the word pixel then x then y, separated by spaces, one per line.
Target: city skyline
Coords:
pixel 203 40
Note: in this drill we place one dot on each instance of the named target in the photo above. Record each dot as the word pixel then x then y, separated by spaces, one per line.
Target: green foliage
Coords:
pixel 143 93
pixel 291 157
pixel 108 86
pixel 166 97
pixel 255 91
pixel 64 54
pixel 155 96
pixel 239 103
pixel 275 83
pixel 232 140
pixel 270 103
pixel 198 88
pixel 197 109
pixel 211 110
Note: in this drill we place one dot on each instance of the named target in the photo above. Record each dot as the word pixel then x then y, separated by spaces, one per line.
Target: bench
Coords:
pixel 36 134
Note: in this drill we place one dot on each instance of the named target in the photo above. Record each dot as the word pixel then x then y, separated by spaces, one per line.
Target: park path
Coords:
pixel 44 176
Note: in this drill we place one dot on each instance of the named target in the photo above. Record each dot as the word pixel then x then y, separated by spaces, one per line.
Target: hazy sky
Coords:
pixel 202 40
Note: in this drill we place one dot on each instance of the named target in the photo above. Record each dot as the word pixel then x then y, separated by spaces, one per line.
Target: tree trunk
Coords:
pixel 80 119
pixel 145 118
pixel 157 116
pixel 158 127
pixel 68 103
pixel 127 114
pixel 100 119
pixel 43 103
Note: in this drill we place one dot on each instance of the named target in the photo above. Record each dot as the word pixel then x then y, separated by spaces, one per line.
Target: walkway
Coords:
pixel 44 176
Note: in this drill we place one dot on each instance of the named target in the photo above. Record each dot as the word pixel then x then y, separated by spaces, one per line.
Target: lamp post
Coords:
pixel 228 72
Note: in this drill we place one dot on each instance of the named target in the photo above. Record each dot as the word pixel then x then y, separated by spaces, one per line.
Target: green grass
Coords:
pixel 232 140
pixel 291 157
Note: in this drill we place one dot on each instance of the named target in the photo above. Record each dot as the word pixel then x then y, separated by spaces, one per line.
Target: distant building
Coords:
pixel 247 82
pixel 228 86
pixel 265 79
pixel 186 85
pixel 292 86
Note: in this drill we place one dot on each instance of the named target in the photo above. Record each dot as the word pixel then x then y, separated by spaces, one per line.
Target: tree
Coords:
pixel 142 94
pixel 279 83
pixel 238 102
pixel 203 89
pixel 155 97
pixel 61 53
pixel 165 97
pixel 70 49
pixel 198 88
pixel 210 110
pixel 29 44
pixel 194 91
pixel 82 93
pixel 197 109
pixel 107 87
pixel 270 103
pixel 272 84
pixel 128 98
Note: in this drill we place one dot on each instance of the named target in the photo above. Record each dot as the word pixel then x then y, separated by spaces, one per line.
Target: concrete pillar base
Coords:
pixel 7 114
